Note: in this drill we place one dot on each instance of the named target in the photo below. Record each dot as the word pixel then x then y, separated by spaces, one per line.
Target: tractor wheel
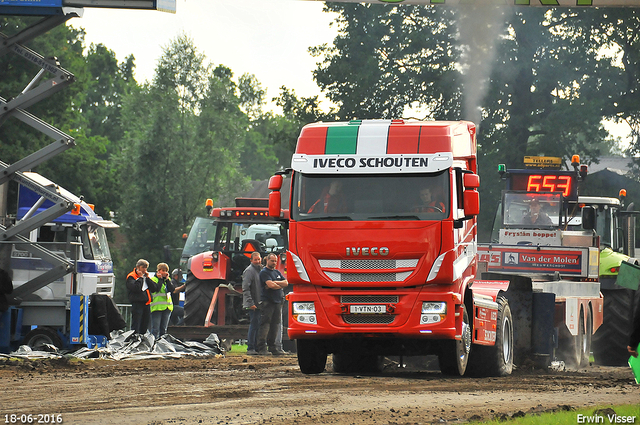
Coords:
pixel 197 299
pixel 611 339
pixel 495 360
pixel 312 358
pixel 40 336
pixel 454 354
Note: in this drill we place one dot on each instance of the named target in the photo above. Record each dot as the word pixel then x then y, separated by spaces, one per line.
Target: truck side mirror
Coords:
pixel 471 203
pixel 275 203
pixel 588 218
pixel 275 182
pixel 471 181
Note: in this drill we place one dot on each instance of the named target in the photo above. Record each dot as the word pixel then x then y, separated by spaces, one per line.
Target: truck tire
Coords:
pixel 312 358
pixel 197 299
pixel 586 341
pixel 454 355
pixel 575 350
pixel 350 362
pixel 495 360
pixel 611 339
pixel 40 336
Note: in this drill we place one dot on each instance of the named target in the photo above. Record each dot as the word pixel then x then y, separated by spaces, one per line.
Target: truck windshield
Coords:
pixel 268 237
pixel 94 244
pixel 201 237
pixel 531 210
pixel 371 197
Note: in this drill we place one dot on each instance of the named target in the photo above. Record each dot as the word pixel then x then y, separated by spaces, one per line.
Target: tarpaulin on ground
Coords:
pixel 128 346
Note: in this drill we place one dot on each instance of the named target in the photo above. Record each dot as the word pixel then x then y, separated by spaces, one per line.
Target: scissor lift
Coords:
pixel 51 78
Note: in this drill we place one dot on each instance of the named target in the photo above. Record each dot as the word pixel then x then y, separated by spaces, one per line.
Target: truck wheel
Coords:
pixel 197 299
pixel 586 340
pixel 311 356
pixel 350 362
pixel 495 360
pixel 454 354
pixel 571 347
pixel 611 339
pixel 40 336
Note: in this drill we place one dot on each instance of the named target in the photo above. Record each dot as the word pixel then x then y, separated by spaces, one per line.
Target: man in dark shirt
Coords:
pixel 536 216
pixel 272 297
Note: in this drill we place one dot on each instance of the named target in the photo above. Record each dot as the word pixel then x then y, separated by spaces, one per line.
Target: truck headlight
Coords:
pixel 304 307
pixel 304 312
pixel 433 312
pixel 434 307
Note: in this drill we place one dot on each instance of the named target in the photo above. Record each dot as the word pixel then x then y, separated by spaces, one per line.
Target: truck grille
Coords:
pixel 367 277
pixel 379 270
pixel 369 299
pixel 368 264
pixel 368 319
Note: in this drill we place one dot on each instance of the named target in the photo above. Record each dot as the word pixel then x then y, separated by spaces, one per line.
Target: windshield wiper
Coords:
pixel 329 218
pixel 395 217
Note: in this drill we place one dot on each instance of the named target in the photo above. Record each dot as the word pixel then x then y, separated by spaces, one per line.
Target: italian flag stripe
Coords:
pixel 342 140
pixel 373 137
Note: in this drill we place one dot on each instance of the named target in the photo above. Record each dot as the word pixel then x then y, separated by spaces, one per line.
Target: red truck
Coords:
pixel 379 267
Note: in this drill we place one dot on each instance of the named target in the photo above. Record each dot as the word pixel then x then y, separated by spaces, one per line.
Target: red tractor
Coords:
pixel 217 251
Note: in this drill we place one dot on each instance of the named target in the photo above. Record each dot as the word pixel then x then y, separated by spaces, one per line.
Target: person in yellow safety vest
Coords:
pixel 161 302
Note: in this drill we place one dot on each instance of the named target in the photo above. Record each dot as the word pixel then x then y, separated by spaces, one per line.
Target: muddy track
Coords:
pixel 244 389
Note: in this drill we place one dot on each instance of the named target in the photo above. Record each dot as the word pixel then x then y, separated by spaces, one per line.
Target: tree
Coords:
pixel 386 59
pixel 546 91
pixel 181 147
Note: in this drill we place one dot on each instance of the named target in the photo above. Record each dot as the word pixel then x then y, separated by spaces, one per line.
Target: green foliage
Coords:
pixel 386 59
pixel 150 154
pixel 541 83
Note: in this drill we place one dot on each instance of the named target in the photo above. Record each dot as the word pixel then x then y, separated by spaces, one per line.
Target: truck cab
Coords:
pixel 378 266
pixel 78 236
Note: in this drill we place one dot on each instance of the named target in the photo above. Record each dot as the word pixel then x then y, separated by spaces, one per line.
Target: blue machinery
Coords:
pixel 59 322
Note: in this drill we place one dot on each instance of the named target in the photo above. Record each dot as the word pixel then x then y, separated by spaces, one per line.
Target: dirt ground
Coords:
pixel 241 389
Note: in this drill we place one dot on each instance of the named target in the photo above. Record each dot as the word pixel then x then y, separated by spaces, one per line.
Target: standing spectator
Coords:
pixel 634 338
pixel 161 301
pixel 6 287
pixel 177 315
pixel 251 300
pixel 139 287
pixel 272 296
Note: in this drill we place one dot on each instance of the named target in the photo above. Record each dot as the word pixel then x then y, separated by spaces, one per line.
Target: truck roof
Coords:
pixel 27 198
pixel 388 137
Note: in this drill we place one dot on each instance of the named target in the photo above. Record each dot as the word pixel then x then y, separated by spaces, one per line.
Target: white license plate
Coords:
pixel 368 309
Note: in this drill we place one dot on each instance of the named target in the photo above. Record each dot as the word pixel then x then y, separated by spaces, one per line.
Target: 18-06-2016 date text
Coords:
pixel 28 418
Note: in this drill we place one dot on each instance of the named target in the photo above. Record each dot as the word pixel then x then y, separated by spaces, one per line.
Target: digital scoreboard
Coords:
pixel 565 182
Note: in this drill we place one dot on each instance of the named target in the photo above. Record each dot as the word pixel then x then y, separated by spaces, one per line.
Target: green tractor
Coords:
pixel 615 226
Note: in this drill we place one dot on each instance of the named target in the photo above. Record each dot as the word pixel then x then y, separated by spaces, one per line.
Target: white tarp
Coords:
pixel 129 346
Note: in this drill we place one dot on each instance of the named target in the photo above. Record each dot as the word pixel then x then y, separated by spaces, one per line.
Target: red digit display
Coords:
pixel 549 183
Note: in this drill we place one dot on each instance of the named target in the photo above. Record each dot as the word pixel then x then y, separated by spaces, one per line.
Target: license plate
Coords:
pixel 368 309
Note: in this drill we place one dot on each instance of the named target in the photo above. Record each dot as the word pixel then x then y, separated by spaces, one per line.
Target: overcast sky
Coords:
pixel 269 39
